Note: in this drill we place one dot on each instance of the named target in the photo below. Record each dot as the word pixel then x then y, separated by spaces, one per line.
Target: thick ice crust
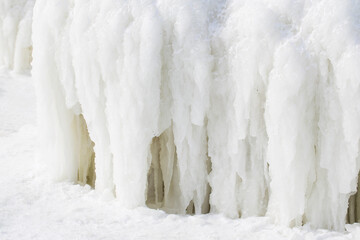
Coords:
pixel 257 102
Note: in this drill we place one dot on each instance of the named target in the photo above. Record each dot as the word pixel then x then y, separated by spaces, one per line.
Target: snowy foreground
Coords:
pixel 33 208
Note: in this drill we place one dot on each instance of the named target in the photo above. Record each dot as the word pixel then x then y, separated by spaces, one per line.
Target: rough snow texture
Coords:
pixel 15 34
pixel 245 108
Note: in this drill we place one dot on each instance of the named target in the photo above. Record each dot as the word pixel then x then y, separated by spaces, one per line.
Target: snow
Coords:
pixel 31 207
pixel 244 108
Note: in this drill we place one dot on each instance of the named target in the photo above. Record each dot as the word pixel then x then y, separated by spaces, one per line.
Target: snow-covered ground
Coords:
pixel 33 208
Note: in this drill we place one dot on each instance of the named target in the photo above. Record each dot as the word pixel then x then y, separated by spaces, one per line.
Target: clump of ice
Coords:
pixel 15 34
pixel 241 107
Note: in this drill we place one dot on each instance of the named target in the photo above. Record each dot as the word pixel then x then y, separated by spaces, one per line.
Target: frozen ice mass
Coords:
pixel 15 34
pixel 239 107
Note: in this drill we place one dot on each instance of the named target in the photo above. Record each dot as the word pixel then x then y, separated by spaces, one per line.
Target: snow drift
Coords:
pixel 244 108
pixel 15 34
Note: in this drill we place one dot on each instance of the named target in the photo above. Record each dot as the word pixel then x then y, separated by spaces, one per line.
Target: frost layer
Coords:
pixel 244 108
pixel 15 33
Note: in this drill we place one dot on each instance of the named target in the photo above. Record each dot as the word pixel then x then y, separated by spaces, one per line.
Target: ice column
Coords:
pixel 15 34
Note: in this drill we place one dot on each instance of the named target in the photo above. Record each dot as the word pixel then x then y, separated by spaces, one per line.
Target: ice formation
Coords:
pixel 15 34
pixel 240 107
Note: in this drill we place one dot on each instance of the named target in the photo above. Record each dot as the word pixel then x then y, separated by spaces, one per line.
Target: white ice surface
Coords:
pixel 31 207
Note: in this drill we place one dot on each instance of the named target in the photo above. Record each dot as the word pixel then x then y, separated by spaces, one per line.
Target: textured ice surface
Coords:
pixel 245 108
